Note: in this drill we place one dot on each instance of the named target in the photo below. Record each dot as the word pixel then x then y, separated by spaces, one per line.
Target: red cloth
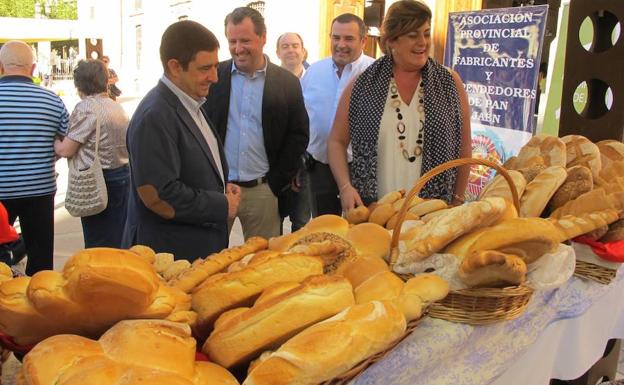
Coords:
pixel 611 251
pixel 7 342
pixel 7 232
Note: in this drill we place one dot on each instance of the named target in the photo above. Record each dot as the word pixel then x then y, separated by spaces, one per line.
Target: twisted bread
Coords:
pixel 132 352
pixel 97 288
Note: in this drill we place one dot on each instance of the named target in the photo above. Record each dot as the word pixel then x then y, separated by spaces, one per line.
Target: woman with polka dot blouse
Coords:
pixel 402 117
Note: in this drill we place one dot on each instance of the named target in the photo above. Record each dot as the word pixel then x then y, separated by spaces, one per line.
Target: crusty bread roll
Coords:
pixel 540 190
pixel 333 249
pixel 610 173
pixel 581 151
pixel 610 151
pixel 615 232
pixel 384 285
pixel 578 182
pixel 498 187
pixel 5 272
pixel 530 172
pixel 162 261
pixel 381 214
pixel 357 215
pixel 202 269
pixel 528 238
pixel 369 239
pixel 362 268
pixel 551 148
pixel 490 268
pixel 175 269
pixel 391 197
pixel 427 206
pixel 144 252
pixel 434 235
pixel 571 226
pixel 132 352
pixel 225 291
pixel 329 348
pixel 269 324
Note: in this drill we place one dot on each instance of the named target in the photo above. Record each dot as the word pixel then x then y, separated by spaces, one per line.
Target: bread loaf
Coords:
pixel 392 222
pixel 202 269
pixel 382 213
pixel 384 285
pixel 551 148
pixel 272 322
pixel 331 248
pixel 611 173
pixel 328 223
pixel 571 226
pixel 489 268
pixel 225 291
pixel 132 352
pixel 357 215
pixel 540 190
pixel 427 206
pixel 369 239
pixel 362 268
pixel 32 309
pixel 5 272
pixel 144 252
pixel 610 151
pixel 528 238
pixel 443 229
pixel 578 182
pixel 581 151
pixel 391 197
pixel 595 200
pixel 331 347
pixel 499 187
pixel 175 269
pixel 162 261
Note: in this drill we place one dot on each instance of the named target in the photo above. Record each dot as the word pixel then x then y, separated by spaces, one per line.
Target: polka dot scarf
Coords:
pixel 443 124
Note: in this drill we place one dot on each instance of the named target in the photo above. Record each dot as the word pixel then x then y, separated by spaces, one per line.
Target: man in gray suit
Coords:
pixel 180 199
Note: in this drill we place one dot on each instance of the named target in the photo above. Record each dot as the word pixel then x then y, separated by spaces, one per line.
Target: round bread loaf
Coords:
pixel 581 151
pixel 578 182
pixel 550 148
pixel 357 215
pixel 610 151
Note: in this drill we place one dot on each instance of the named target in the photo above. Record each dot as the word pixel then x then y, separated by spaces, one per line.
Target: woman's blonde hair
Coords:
pixel 403 16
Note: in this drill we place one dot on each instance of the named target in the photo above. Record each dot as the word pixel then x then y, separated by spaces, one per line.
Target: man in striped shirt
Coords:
pixel 30 118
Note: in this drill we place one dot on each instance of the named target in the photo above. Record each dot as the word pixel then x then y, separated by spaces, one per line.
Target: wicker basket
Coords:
pixel 352 373
pixel 593 272
pixel 472 306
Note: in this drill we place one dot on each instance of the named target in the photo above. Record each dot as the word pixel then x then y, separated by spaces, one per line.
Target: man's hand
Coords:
pixel 349 198
pixel 233 195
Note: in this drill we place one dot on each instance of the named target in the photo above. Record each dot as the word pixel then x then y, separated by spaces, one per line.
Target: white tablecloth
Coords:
pixel 562 333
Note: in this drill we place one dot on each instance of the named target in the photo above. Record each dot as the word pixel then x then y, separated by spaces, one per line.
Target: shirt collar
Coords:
pixel 349 65
pixel 261 70
pixel 187 101
pixel 16 78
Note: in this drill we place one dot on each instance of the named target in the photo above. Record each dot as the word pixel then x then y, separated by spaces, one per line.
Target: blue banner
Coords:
pixel 497 54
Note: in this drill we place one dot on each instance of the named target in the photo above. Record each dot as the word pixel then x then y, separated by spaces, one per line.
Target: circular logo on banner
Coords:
pixel 483 147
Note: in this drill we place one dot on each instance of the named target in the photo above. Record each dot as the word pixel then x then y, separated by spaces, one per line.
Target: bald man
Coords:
pixel 292 53
pixel 31 119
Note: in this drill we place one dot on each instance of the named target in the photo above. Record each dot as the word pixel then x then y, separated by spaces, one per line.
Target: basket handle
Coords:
pixel 394 254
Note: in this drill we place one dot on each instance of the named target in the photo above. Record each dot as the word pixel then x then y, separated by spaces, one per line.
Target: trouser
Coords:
pixel 323 191
pixel 258 212
pixel 36 215
pixel 106 228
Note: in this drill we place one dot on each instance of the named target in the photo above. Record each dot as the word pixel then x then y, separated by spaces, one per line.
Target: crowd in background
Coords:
pixel 238 138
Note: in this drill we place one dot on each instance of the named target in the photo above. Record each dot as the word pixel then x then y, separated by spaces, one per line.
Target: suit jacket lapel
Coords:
pixel 190 125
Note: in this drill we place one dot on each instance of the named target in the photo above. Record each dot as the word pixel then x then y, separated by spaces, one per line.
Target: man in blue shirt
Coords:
pixel 322 85
pixel 257 108
pixel 31 119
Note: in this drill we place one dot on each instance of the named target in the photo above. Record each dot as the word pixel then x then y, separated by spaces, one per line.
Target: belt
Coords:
pixel 251 183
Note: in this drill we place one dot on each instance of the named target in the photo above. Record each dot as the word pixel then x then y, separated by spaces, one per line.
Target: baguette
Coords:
pixel 540 190
pixel 329 348
pixel 193 276
pixel 273 321
pixel 571 226
pixel 225 291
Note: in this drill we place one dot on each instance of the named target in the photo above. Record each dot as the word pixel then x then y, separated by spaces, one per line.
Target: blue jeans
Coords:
pixel 106 228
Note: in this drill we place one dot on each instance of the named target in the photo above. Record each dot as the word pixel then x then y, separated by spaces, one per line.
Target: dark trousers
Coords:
pixel 36 216
pixel 323 191
pixel 106 228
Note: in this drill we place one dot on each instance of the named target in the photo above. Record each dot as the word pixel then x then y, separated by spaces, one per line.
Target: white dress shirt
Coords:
pixel 322 89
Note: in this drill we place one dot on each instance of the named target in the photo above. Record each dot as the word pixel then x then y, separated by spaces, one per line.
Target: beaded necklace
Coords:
pixel 401 128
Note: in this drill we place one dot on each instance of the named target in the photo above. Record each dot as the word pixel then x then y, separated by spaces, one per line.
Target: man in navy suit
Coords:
pixel 180 200
pixel 258 111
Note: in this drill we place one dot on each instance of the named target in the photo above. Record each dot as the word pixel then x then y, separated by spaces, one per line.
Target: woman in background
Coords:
pixel 403 116
pixel 91 79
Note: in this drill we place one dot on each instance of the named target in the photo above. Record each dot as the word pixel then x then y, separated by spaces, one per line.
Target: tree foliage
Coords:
pixel 59 9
